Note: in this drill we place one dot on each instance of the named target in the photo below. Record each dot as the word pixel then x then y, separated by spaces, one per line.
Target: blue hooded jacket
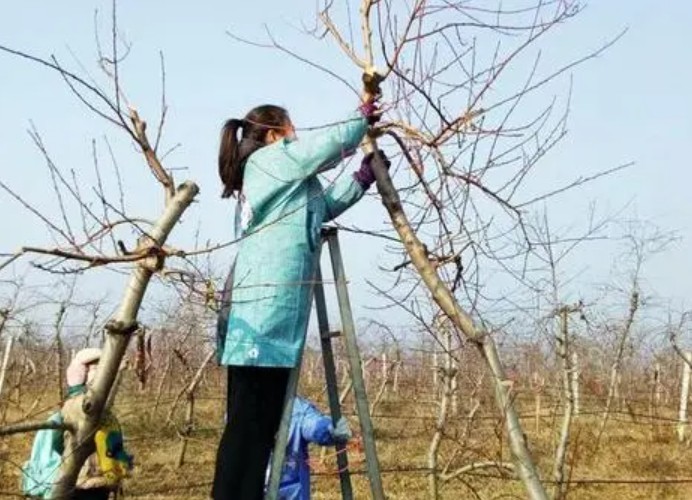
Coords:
pixel 308 425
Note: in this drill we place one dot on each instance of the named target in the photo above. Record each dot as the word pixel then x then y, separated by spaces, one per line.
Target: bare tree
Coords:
pixel 419 47
pixel 190 412
pixel 620 349
pixel 643 242
pixel 569 394
pixel 148 256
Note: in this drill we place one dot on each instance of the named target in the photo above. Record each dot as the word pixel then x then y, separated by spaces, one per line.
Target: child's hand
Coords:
pixel 342 431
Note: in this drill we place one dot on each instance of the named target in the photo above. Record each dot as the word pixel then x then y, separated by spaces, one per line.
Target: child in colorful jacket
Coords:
pixel 104 469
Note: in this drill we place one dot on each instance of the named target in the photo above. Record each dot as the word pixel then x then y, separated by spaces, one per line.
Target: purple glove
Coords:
pixel 365 176
pixel 370 111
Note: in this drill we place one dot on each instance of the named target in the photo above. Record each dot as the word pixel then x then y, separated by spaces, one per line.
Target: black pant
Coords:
pixel 254 407
pixel 92 494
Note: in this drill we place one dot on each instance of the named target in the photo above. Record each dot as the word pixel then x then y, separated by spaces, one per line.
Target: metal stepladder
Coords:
pixel 330 237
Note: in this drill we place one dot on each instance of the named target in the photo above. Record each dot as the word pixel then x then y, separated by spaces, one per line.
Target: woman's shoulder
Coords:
pixel 267 160
pixel 269 152
pixel 273 165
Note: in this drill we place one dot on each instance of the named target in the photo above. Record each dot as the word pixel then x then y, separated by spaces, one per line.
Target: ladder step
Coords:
pixel 331 335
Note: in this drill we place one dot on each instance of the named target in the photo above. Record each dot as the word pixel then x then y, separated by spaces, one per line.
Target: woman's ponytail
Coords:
pixel 229 167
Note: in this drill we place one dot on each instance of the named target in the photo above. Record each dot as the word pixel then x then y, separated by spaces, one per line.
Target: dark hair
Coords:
pixel 234 154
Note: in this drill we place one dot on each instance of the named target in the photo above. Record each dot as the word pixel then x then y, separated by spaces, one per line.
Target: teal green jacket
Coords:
pixel 41 470
pixel 283 208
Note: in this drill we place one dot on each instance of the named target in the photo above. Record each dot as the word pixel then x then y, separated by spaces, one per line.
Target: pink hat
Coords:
pixel 78 370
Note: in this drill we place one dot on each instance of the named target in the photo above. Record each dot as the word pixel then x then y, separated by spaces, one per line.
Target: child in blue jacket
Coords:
pixel 308 425
pixel 282 207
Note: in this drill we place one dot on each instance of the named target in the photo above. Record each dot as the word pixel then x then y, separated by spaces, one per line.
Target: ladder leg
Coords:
pixel 348 330
pixel 332 385
pixel 279 453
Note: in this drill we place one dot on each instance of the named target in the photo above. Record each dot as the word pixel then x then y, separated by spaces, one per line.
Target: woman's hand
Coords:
pixel 370 111
pixel 365 176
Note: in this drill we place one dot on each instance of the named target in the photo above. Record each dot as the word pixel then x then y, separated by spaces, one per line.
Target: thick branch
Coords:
pixel 166 180
pixel 8 430
pixel 475 466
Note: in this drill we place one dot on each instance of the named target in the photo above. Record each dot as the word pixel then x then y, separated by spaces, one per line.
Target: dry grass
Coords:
pixel 632 448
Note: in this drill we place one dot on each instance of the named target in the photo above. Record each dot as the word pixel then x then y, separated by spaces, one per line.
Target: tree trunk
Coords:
pixel 397 371
pixel 433 450
pixel 383 388
pixel 563 348
pixel 60 360
pixel 576 391
pixel 537 386
pixel 655 397
pixel 455 388
pixel 159 391
pixel 190 414
pixel 141 360
pixel 5 361
pixel 617 362
pixel 657 385
pixel 435 372
pixel 684 397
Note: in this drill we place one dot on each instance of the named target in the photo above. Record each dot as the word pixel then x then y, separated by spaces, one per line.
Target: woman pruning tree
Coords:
pixel 281 208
